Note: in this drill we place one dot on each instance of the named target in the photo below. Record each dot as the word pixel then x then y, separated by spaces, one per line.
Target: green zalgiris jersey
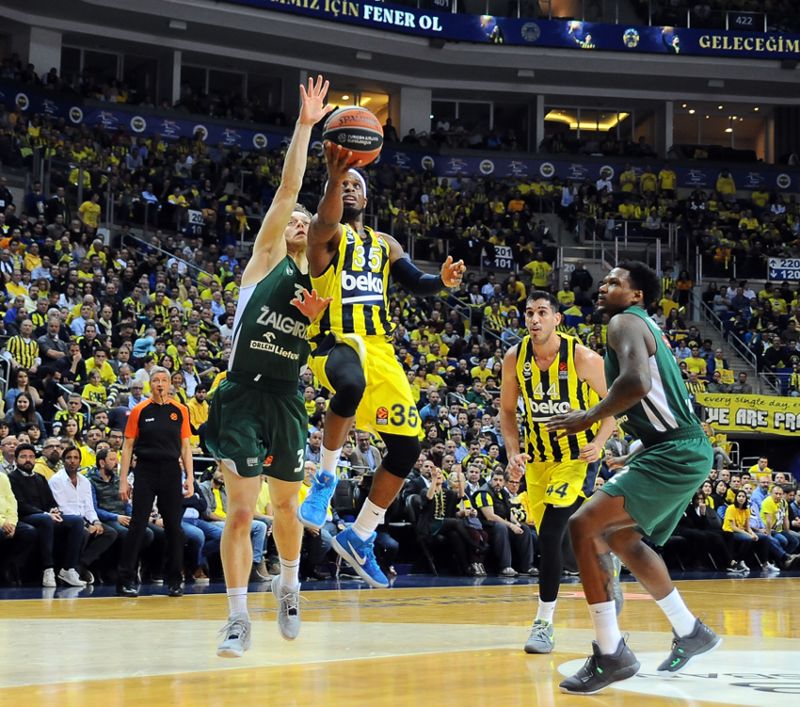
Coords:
pixel 666 410
pixel 269 333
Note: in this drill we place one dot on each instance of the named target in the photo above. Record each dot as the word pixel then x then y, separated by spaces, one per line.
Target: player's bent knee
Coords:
pixel 401 454
pixel 345 402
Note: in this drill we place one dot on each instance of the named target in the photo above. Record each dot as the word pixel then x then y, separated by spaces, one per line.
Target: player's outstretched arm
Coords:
pixel 627 336
pixel 409 276
pixel 313 109
pixel 509 395
pixel 326 222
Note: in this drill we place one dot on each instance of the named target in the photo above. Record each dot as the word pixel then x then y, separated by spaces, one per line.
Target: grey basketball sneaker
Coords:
pixel 288 609
pixel 684 648
pixel 540 639
pixel 235 637
pixel 601 670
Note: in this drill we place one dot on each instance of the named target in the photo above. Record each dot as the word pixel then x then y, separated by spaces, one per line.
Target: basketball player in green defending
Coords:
pixel 257 410
pixel 648 496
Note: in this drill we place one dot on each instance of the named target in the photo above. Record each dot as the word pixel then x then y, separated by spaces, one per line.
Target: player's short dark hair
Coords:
pixel 643 278
pixel 541 294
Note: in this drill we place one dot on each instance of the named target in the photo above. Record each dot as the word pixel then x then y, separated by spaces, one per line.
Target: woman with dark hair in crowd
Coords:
pixel 719 498
pixel 179 388
pixel 167 362
pixel 741 539
pixel 440 515
pixel 22 415
pixel 22 380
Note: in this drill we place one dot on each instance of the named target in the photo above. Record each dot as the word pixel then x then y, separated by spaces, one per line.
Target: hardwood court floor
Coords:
pixel 403 646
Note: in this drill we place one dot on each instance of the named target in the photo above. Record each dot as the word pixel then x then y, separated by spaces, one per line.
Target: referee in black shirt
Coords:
pixel 158 434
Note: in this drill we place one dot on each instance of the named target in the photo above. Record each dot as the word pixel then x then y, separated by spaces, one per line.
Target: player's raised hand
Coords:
pixel 314 108
pixel 452 272
pixel 569 423
pixel 338 160
pixel 311 304
pixel 516 466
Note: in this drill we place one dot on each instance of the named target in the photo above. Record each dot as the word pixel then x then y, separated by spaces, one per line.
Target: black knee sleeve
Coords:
pixel 401 454
pixel 346 375
pixel 551 536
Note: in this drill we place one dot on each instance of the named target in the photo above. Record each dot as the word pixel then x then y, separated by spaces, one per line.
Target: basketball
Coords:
pixel 356 129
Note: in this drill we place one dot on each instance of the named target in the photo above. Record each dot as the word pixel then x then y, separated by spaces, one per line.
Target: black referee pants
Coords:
pixel 163 481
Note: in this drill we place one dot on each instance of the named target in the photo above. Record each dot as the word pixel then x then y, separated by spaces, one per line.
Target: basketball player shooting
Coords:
pixel 353 357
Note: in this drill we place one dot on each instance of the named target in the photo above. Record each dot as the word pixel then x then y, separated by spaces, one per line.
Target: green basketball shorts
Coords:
pixel 257 431
pixel 659 482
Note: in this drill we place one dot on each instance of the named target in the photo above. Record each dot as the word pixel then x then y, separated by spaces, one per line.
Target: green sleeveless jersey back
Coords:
pixel 666 410
pixel 269 333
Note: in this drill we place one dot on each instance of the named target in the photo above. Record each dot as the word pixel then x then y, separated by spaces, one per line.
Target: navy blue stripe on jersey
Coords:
pixel 348 324
pixel 369 310
pixel 554 442
pixel 563 387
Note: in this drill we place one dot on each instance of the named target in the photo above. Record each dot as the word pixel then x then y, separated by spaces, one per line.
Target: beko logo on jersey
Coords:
pixel 550 407
pixel 367 282
pixel 282 323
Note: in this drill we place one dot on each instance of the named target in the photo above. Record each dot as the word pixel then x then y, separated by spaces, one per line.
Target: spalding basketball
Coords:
pixel 356 129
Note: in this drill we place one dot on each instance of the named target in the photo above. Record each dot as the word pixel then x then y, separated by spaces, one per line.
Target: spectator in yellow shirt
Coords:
pixel 696 363
pixel 627 180
pixel 748 222
pixel 540 271
pixel 667 181
pixel 481 372
pixel 565 296
pixel 89 212
pixel 648 181
pixel 725 186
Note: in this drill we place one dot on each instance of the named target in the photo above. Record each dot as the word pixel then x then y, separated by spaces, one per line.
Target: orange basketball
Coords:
pixel 356 129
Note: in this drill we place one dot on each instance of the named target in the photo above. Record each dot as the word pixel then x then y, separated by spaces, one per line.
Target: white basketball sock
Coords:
pixel 237 601
pixel 290 573
pixel 370 517
pixel 545 611
pixel 679 616
pixel 329 460
pixel 606 629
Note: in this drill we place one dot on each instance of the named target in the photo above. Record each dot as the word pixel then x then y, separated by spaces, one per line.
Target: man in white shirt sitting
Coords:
pixel 73 494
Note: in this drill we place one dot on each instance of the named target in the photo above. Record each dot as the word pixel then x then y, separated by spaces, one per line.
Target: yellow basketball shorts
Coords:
pixel 388 404
pixel 554 484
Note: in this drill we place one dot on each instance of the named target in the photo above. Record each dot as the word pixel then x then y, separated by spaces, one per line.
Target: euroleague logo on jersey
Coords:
pixel 382 416
pixel 173 416
pixel 563 370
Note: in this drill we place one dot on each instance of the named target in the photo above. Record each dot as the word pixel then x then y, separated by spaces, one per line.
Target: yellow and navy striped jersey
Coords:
pixel 357 279
pixel 24 352
pixel 552 392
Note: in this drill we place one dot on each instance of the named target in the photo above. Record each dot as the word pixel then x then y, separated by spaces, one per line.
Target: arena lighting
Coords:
pixel 345 97
pixel 683 105
pixel 720 107
pixel 178 24
pixel 756 109
pixel 692 111
pixel 561 117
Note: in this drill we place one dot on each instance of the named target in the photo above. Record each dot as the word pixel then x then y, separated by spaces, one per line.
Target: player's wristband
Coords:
pixel 413 279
